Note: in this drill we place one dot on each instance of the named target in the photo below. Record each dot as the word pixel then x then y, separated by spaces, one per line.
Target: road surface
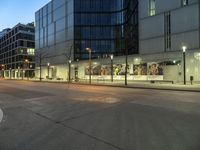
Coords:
pixel 50 116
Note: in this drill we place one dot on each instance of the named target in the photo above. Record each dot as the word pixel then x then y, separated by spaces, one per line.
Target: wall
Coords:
pixel 184 26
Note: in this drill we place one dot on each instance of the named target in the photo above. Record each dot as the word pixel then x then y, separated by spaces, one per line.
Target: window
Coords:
pixel 167 23
pixel 184 2
pixel 152 7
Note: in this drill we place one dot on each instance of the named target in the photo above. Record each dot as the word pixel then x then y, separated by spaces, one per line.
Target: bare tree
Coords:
pixel 68 56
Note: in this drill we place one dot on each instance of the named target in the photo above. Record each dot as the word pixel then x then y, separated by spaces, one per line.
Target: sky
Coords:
pixel 13 12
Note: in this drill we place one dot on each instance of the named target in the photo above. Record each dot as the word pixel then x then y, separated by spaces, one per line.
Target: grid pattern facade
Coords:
pixel 16 46
pixel 70 26
pixel 54 29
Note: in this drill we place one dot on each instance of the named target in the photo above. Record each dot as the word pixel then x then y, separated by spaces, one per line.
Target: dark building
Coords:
pixel 70 26
pixel 17 51
pixel 105 26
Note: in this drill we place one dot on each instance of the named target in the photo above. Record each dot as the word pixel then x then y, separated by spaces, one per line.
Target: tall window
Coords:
pixel 167 22
pixel 184 2
pixel 152 7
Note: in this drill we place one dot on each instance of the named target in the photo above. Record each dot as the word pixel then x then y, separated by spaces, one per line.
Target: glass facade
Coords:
pixel 54 29
pixel 78 24
pixel 101 24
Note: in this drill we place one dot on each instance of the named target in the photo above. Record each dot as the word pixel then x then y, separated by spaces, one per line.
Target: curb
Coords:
pixel 117 86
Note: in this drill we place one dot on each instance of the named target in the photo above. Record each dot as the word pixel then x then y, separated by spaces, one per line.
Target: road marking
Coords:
pixel 100 99
pixel 36 98
pixel 1 115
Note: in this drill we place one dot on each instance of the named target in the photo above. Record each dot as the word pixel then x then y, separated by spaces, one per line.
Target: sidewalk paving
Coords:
pixel 131 84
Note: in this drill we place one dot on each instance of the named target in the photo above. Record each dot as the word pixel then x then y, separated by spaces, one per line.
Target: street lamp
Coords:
pixel 76 71
pixel 69 70
pixel 3 67
pixel 184 66
pixel 111 59
pixel 27 66
pixel 48 65
pixel 90 63
pixel 10 72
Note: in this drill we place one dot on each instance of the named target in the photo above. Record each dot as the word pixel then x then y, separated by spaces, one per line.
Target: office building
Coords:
pixel 162 39
pixel 65 28
pixel 17 51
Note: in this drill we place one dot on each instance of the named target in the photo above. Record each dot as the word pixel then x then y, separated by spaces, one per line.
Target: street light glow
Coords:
pixel 89 49
pixel 184 49
pixel 111 56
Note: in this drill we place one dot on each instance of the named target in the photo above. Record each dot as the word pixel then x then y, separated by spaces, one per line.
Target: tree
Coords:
pixel 68 56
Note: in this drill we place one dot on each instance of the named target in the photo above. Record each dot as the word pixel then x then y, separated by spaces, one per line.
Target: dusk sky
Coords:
pixel 13 12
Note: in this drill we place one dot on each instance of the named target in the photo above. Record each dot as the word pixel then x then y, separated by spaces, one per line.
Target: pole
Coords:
pixel 10 73
pixel 69 71
pixel 28 71
pixel 40 67
pixel 112 68
pixel 90 66
pixel 3 73
pixel 184 69
pixel 48 70
pixel 22 73
pixel 126 67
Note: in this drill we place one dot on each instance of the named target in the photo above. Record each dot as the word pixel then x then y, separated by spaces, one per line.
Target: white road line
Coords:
pixel 1 115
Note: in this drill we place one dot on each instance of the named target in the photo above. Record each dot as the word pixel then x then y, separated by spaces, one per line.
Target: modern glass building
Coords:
pixel 17 49
pixel 70 26
pixel 101 25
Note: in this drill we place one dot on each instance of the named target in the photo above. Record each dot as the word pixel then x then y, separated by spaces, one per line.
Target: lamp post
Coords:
pixel 111 59
pixel 27 66
pixel 48 65
pixel 77 68
pixel 10 73
pixel 69 62
pixel 3 67
pixel 184 64
pixel 90 63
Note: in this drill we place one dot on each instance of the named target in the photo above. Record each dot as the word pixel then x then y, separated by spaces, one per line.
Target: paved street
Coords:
pixel 53 116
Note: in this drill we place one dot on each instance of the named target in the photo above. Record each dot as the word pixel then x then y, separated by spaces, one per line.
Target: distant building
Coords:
pixel 3 32
pixel 17 51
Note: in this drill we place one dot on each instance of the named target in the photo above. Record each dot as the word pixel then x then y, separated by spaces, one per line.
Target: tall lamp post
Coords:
pixel 184 64
pixel 3 67
pixel 77 68
pixel 90 63
pixel 10 73
pixel 111 59
pixel 48 65
pixel 69 70
pixel 27 66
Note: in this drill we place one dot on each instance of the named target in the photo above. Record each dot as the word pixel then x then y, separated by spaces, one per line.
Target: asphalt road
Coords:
pixel 50 116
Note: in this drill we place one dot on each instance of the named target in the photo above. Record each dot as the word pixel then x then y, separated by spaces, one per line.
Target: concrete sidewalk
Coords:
pixel 131 84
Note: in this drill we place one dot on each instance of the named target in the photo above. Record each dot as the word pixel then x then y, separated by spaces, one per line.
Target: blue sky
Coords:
pixel 14 11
